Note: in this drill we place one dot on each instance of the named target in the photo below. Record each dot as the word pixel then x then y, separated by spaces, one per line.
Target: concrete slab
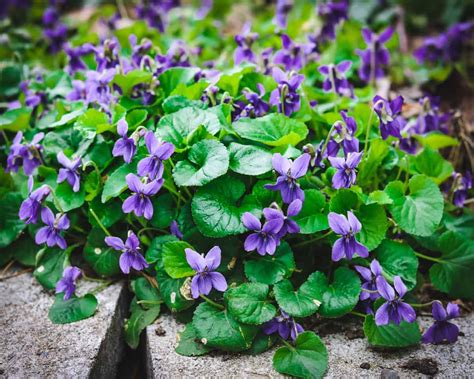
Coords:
pixel 31 346
pixel 349 355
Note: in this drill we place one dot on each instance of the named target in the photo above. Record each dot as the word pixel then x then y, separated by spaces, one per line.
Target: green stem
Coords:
pixel 304 243
pixel 288 345
pixel 150 302
pixel 5 137
pixel 422 305
pixel 407 173
pixel 102 286
pixel 213 303
pixel 56 201
pixel 358 314
pixel 428 258
pixel 328 137
pixel 89 279
pixel 367 131
pixel 99 222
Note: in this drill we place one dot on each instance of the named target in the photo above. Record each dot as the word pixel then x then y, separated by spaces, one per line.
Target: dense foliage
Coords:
pixel 244 176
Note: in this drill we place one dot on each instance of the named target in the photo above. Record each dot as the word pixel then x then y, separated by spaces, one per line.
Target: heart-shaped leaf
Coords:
pixel 72 310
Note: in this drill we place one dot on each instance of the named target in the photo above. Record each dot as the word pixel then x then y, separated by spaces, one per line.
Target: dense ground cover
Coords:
pixel 247 173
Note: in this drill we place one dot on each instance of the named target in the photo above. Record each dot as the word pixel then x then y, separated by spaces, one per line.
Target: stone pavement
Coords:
pixel 349 356
pixel 31 346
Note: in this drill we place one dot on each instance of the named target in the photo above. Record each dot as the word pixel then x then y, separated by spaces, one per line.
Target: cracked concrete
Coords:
pixel 31 346
pixel 350 356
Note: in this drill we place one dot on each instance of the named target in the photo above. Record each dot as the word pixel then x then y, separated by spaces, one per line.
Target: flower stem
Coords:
pixel 422 305
pixel 428 258
pixel 328 137
pixel 358 314
pixel 291 347
pixel 89 279
pixel 99 222
pixel 102 286
pixel 213 303
pixel 367 131
pixel 304 243
pixel 56 201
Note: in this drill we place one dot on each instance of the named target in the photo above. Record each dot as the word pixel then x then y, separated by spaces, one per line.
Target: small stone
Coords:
pixel 426 366
pixel 365 366
pixel 159 331
pixel 389 374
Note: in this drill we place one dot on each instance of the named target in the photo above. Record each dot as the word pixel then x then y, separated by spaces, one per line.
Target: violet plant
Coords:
pixel 138 149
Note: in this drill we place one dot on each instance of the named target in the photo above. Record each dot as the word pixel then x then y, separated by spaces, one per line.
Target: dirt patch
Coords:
pixel 426 366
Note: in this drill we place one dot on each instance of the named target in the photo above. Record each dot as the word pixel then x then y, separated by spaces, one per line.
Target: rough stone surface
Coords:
pixel 350 356
pixel 32 346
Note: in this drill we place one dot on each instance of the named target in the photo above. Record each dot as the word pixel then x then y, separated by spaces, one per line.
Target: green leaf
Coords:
pixel 217 208
pixel 174 259
pixel 50 265
pixel 391 335
pixel 433 165
pixel 147 295
pixel 189 344
pixel 176 102
pixel 115 183
pixel 436 140
pixel 379 197
pixel 108 215
pixel 179 127
pixel 129 80
pixel 261 343
pixel 103 259
pixel 24 250
pixel 15 120
pixel 344 200
pixel 342 295
pixel 217 328
pixel 249 160
pixel 308 359
pixel 374 225
pixel 10 77
pixel 164 211
pixel 372 161
pixel 174 76
pixel 68 199
pixel 10 224
pixel 136 118
pixel 93 121
pixel 303 302
pixel 207 160
pixel 314 214
pixel 249 303
pixel 455 268
pixel 274 129
pixel 398 258
pixel 139 320
pixel 72 310
pixel 155 249
pixel 270 269
pixel 420 211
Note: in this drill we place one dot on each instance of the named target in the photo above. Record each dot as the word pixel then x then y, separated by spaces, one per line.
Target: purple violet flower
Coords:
pixel 204 9
pixel 286 96
pixel 285 325
pixel 54 31
pixel 67 284
pixel 176 56
pixel 345 176
pixel 289 173
pixel 447 46
pixel 289 226
pixel 78 91
pixel 283 8
pixel 75 54
pixel 139 50
pixel 27 155
pixel 332 14
pixel 430 118
pixel 206 275
pixel 347 228
pixel 30 208
pixel 394 309
pixel 265 239
pixel 344 136
pixel 130 257
pixel 107 55
pixel 369 276
pixel 70 171
pixel 139 202
pixel 159 152
pixel 461 186
pixel 335 80
pixel 376 57
pixel 442 329
pixel 51 233
pixel 175 230
pixel 257 107
pixel 124 146
pixel 291 56
pixel 244 41
pixel 98 87
pixel 155 12
pixel 389 113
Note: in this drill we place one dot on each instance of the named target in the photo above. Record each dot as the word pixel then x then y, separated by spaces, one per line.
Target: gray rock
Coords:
pixel 346 356
pixel 32 346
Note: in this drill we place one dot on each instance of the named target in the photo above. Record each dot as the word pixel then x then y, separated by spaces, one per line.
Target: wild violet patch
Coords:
pixel 252 181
